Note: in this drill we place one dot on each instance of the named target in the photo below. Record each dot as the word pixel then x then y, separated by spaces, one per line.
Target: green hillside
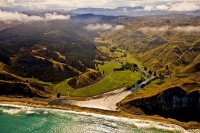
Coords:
pixel 166 46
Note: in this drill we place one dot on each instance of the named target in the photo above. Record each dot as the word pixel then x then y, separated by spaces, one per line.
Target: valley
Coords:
pixel 145 65
pixel 112 78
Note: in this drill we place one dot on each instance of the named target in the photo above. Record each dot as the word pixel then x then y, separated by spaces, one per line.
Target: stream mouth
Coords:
pixel 106 101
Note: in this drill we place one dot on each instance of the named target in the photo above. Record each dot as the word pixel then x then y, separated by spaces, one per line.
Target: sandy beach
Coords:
pixel 44 103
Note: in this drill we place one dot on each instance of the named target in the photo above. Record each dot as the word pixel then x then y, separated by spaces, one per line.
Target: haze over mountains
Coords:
pixel 160 37
pixel 125 7
pixel 64 43
pixel 135 11
pixel 130 11
pixel 70 49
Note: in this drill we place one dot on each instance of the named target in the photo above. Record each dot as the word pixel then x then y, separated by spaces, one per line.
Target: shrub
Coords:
pixel 58 95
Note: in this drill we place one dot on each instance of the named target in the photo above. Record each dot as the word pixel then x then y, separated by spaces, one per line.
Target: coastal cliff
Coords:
pixel 171 103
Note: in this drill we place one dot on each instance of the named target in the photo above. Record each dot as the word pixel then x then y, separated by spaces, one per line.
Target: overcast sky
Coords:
pixel 149 5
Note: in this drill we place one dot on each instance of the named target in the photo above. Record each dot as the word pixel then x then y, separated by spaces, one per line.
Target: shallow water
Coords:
pixel 31 120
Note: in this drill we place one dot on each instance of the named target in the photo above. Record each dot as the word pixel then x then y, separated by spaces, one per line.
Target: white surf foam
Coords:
pixel 11 111
pixel 45 112
pixel 27 110
pixel 30 112
pixel 145 124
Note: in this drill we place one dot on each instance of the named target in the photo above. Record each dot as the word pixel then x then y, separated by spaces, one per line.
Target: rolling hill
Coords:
pixel 158 41
pixel 14 85
pixel 169 47
pixel 36 54
pixel 30 49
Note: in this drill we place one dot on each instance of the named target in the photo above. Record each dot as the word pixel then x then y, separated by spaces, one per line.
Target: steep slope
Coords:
pixel 50 51
pixel 22 89
pixel 172 54
pixel 27 65
pixel 85 79
pixel 14 85
pixel 194 66
pixel 60 36
pixel 171 103
pixel 160 42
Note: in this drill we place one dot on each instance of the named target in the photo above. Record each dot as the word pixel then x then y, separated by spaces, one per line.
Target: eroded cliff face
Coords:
pixel 172 103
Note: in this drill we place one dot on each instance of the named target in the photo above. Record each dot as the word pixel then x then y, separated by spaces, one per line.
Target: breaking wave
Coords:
pixel 108 122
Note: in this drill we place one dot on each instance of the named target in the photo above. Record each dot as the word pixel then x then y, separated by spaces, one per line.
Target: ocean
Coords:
pixel 21 119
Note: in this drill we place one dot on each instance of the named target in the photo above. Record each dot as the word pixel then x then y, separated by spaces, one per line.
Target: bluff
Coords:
pixel 171 103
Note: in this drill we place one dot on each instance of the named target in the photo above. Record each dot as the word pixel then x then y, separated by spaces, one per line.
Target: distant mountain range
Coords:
pixel 130 11
pixel 126 10
pixel 106 11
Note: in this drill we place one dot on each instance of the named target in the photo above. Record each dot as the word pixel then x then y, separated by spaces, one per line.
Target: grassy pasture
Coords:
pixel 112 81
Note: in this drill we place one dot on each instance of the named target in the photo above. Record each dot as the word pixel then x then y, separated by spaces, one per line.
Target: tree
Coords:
pixel 167 67
pixel 160 61
pixel 135 65
pixel 154 74
pixel 125 54
pixel 161 77
pixel 150 72
pixel 58 95
pixel 143 85
pixel 139 81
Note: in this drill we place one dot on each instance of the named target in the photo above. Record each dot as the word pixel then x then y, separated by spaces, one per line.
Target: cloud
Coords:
pixel 184 6
pixel 118 27
pixel 6 3
pixel 162 7
pixel 98 27
pixel 187 28
pixel 148 8
pixel 166 28
pixel 73 4
pixel 55 16
pixel 148 5
pixel 155 29
pixel 180 6
pixel 61 4
pixel 20 17
pixel 34 5
pixel 163 28
pixel 103 27
pixel 15 16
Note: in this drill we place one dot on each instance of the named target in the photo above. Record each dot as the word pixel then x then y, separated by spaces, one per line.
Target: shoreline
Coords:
pixel 43 104
pixel 145 124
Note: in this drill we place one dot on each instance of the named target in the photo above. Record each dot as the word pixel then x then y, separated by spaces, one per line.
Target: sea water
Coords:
pixel 21 119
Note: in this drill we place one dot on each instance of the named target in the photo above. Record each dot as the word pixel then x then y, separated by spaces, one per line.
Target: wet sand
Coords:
pixel 44 103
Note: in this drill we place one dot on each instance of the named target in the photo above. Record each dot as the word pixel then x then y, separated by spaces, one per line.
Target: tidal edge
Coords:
pixel 44 103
